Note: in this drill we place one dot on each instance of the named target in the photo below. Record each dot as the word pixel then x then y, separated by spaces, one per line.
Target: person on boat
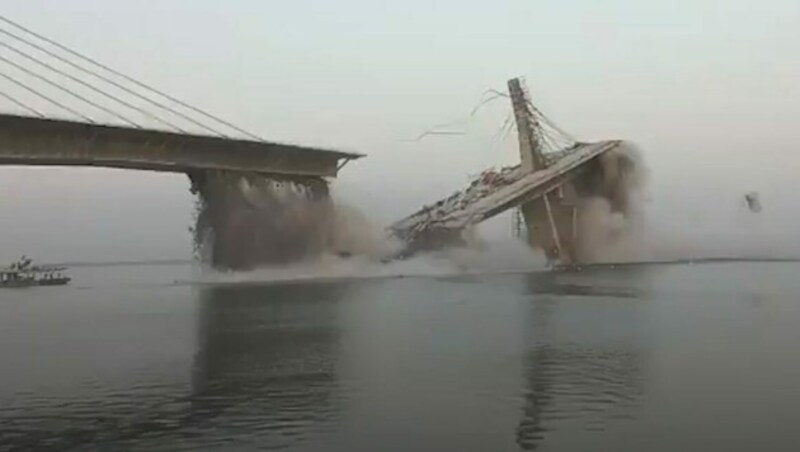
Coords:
pixel 23 264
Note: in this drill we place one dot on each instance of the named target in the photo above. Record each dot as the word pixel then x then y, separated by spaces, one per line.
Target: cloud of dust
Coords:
pixel 495 258
pixel 244 221
pixel 611 220
pixel 613 226
pixel 278 229
pixel 353 234
pixel 247 221
pixel 499 255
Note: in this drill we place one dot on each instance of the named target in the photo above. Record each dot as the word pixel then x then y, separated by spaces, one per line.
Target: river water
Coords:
pixel 677 357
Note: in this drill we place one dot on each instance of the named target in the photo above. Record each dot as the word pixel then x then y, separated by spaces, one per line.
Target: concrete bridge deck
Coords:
pixel 441 223
pixel 518 188
pixel 38 141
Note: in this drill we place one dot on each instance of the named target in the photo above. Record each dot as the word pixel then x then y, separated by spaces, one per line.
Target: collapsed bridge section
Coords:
pixel 546 188
pixel 492 194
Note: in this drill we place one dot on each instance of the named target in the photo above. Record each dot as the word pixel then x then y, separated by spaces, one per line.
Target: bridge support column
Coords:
pixel 248 220
pixel 530 151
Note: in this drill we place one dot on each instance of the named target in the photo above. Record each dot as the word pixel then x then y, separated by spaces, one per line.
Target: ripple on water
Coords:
pixel 577 384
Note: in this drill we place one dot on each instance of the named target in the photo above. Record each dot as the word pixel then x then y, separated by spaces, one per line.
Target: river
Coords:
pixel 656 358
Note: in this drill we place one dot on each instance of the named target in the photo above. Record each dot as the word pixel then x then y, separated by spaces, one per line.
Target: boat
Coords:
pixel 24 274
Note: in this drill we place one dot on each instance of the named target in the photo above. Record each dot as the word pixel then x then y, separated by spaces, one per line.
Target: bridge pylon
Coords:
pixel 551 220
pixel 545 189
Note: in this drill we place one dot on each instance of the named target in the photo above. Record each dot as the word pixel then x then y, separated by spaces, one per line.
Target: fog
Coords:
pixel 704 88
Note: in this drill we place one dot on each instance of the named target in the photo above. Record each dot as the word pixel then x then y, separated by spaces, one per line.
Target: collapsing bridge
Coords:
pixel 546 187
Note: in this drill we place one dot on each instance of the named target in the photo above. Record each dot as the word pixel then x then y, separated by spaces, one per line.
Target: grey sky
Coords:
pixel 706 88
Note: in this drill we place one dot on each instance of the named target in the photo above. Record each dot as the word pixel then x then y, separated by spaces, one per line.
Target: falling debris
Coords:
pixel 753 202
pixel 576 199
pixel 247 220
pixel 493 192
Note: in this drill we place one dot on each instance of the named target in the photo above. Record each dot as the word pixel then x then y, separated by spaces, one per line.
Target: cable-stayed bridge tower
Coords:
pixel 554 173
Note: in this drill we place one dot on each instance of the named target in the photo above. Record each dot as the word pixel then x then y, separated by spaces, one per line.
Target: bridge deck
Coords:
pixel 511 188
pixel 35 141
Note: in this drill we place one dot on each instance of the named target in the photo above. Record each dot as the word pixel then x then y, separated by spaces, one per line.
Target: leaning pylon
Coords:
pixel 550 220
pixel 545 187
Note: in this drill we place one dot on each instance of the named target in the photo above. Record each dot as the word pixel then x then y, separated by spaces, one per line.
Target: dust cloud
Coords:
pixel 494 257
pixel 618 223
pixel 246 221
pixel 611 217
pixel 277 229
pixel 271 228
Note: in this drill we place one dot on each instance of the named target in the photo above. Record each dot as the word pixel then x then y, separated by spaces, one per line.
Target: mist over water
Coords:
pixel 491 257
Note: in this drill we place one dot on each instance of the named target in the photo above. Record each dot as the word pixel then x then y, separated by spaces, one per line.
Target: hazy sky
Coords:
pixel 708 89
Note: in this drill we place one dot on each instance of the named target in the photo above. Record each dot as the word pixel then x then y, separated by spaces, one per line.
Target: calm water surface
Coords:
pixel 702 357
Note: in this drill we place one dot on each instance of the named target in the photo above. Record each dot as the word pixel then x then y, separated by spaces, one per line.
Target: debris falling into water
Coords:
pixel 247 220
pixel 610 207
pixel 244 221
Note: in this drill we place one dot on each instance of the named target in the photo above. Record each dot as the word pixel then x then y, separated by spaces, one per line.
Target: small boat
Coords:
pixel 24 274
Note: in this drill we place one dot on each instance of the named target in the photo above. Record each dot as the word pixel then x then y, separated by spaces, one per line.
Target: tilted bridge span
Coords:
pixel 545 189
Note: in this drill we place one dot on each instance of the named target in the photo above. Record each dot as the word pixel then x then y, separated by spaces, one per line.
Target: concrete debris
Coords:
pixel 753 202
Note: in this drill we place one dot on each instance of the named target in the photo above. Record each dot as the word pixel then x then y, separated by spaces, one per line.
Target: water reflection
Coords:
pixel 622 282
pixel 263 369
pixel 555 361
pixel 267 360
pixel 584 363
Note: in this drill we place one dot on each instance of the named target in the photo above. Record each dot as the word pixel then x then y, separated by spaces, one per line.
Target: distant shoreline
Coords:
pixel 682 261
pixel 135 263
